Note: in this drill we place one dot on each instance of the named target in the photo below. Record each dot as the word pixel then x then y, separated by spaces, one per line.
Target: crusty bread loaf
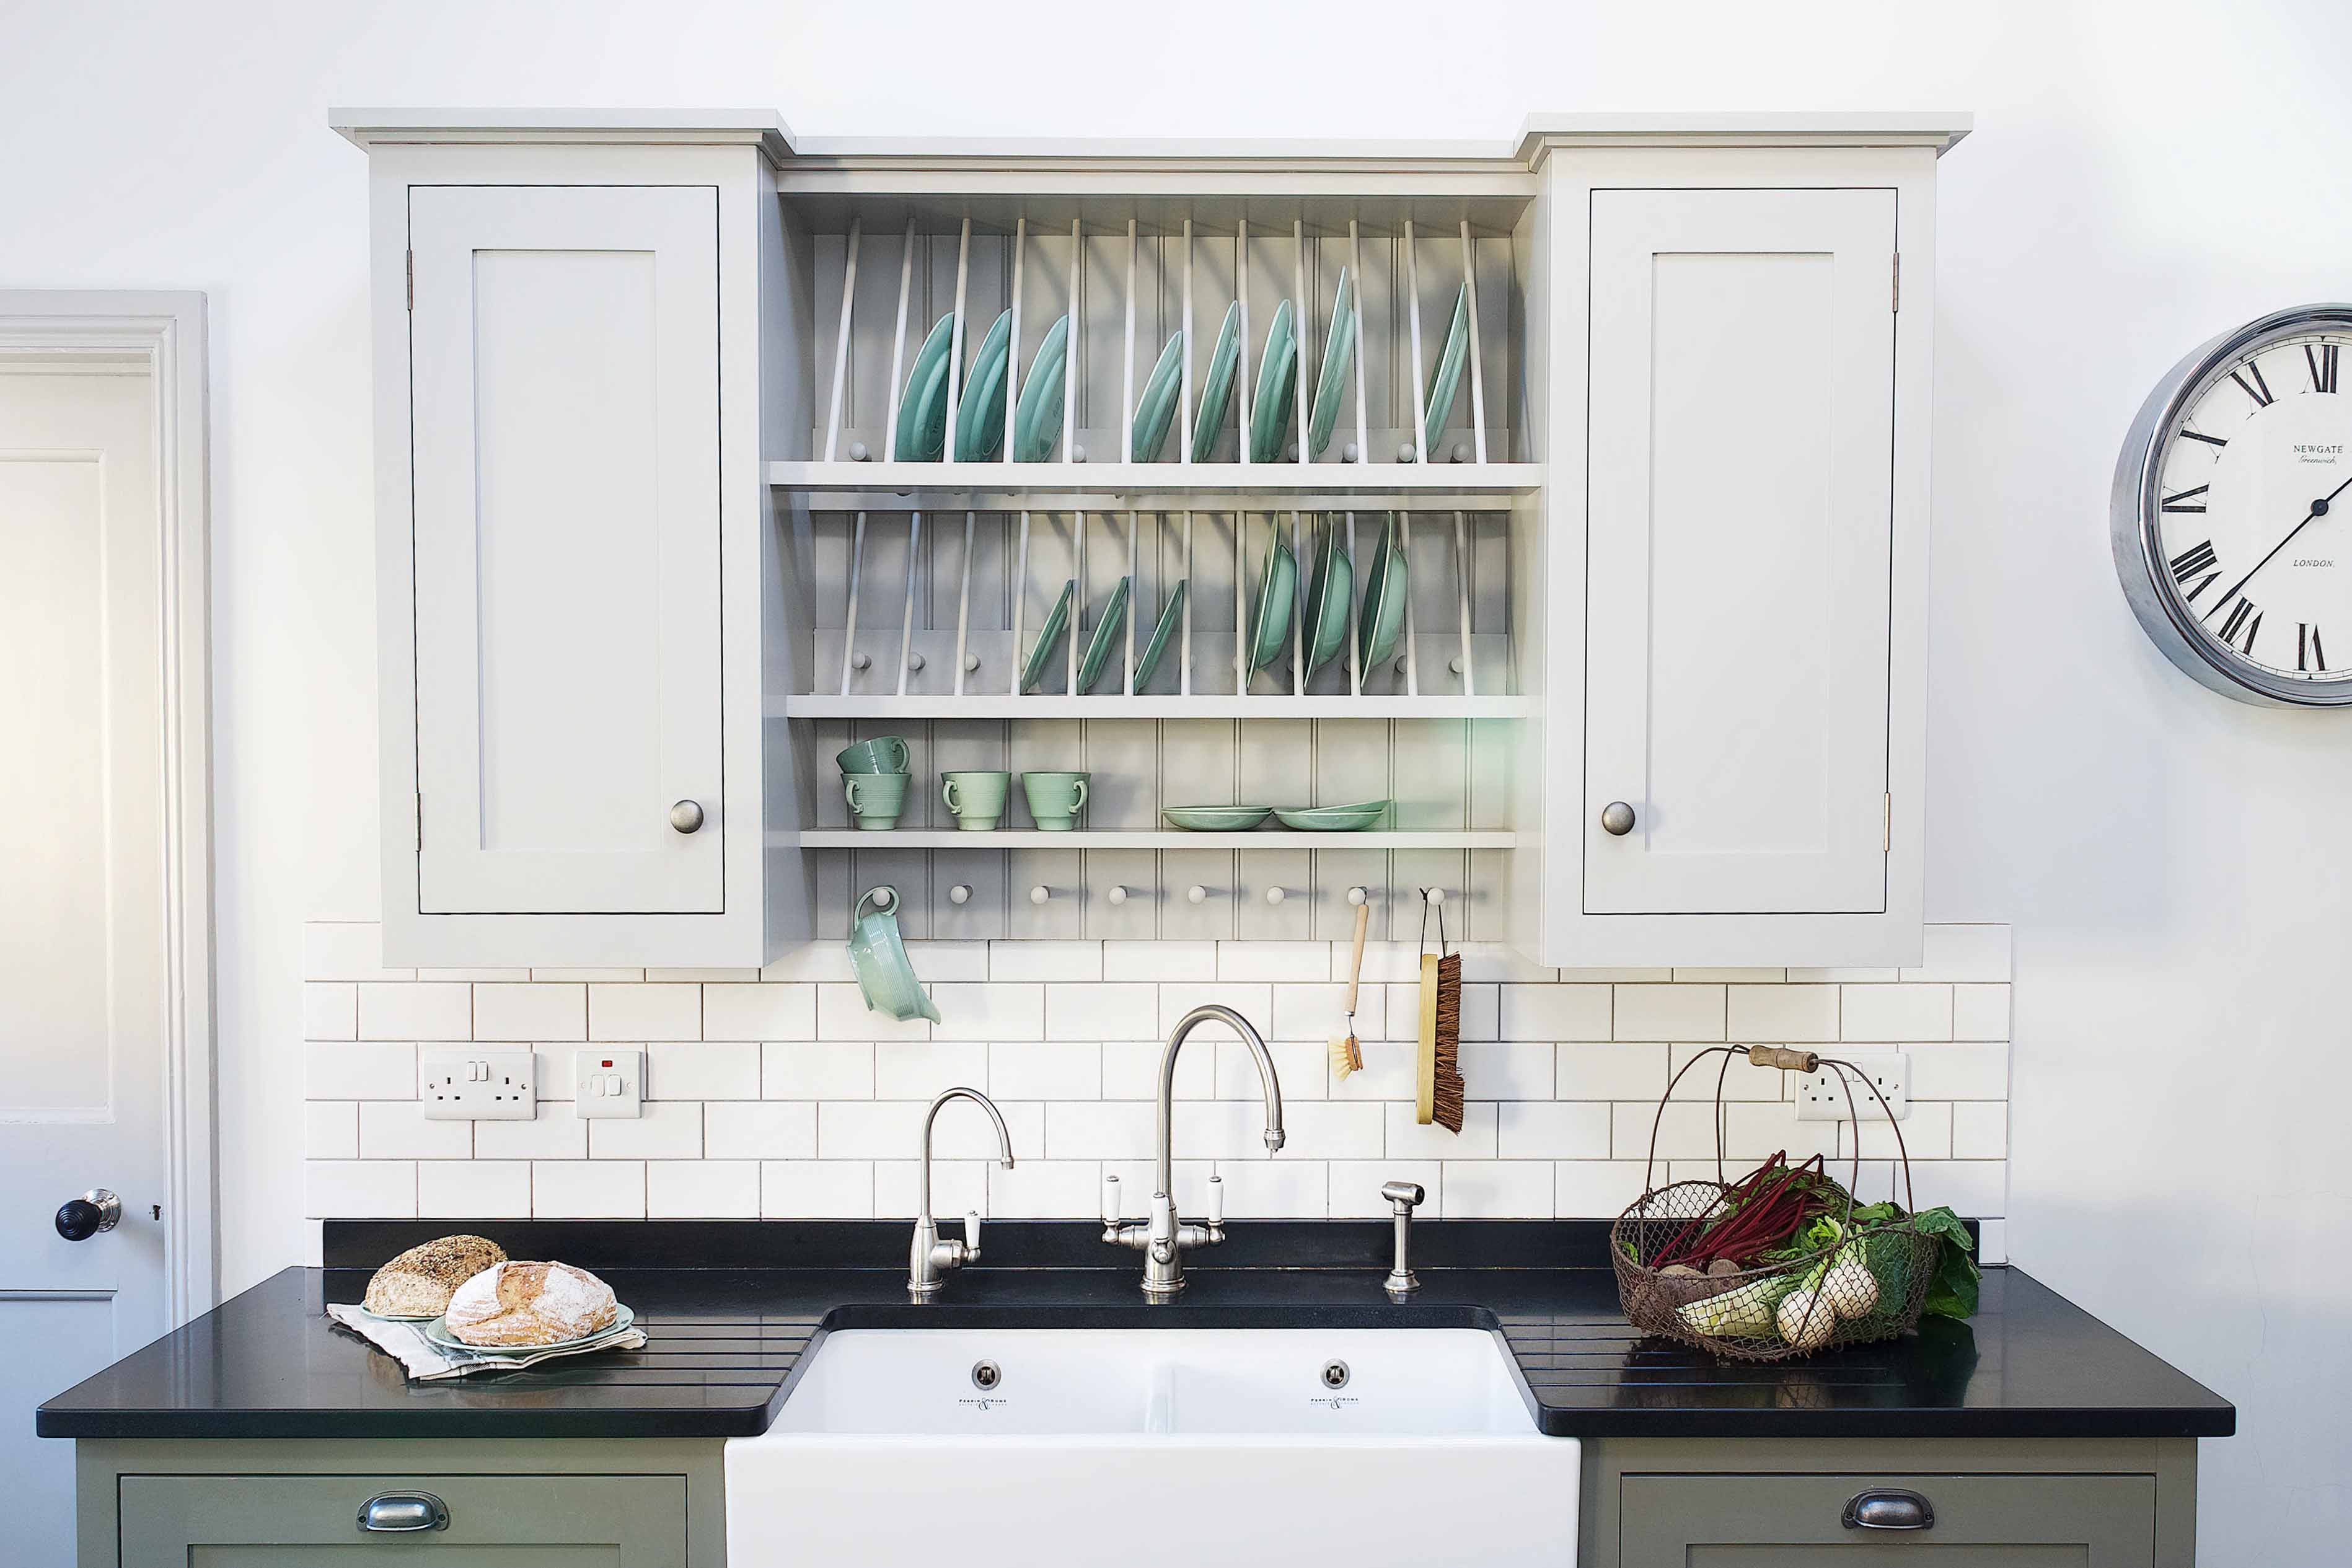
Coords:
pixel 418 1283
pixel 529 1304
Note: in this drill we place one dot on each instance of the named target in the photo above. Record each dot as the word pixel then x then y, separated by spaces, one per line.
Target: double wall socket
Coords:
pixel 1822 1098
pixel 478 1085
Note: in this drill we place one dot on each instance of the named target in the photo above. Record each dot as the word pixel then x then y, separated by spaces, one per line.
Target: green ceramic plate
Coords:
pixel 1155 411
pixel 1277 387
pixel 1090 668
pixel 1170 615
pixel 438 1333
pixel 1216 818
pixel 1217 387
pixel 1327 601
pixel 980 410
pixel 1382 616
pixel 1037 420
pixel 1277 598
pixel 1339 354
pixel 1334 818
pixel 923 406
pixel 1056 624
pixel 1447 378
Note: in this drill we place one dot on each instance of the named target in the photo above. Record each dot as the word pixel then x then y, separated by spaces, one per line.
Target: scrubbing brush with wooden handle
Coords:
pixel 1439 1087
pixel 1346 1054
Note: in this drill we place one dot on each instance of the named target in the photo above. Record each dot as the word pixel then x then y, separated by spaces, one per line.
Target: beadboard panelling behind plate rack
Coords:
pixel 774 1092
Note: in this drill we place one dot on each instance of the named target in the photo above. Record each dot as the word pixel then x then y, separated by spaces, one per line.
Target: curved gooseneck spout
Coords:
pixel 1003 1138
pixel 930 1261
pixel 1266 1080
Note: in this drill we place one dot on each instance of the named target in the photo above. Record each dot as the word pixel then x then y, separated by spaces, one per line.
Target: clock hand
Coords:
pixel 2318 508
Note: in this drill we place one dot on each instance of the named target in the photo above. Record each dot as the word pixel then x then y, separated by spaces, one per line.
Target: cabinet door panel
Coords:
pixel 1980 1522
pixel 1739 546
pixel 564 400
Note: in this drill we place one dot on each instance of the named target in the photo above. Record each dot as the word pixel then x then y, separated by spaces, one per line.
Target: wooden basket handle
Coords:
pixel 1782 1057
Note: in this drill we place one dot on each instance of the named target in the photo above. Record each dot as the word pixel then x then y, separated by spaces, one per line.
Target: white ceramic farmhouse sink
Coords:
pixel 1181 1448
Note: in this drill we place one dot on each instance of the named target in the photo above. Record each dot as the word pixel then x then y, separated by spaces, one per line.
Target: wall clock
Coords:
pixel 2232 519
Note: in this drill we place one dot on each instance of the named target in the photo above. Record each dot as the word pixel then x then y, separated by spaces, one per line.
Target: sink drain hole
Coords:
pixel 986 1374
pixel 1334 1375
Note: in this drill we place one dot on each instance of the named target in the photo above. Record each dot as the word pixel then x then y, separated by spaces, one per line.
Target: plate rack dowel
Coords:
pixel 1305 309
pixel 963 604
pixel 1411 631
pixel 955 338
pixel 1020 604
pixel 1070 362
pixel 1079 521
pixel 1241 607
pixel 1298 608
pixel 1363 351
pixel 1184 431
pixel 1134 594
pixel 1126 375
pixel 898 345
pixel 1355 614
pixel 856 570
pixel 1242 365
pixel 1462 600
pixel 841 341
pixel 907 622
pixel 1420 393
pixel 1184 664
pixel 1012 369
pixel 1477 375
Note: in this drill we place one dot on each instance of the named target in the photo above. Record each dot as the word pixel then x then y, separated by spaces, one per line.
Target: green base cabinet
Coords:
pixel 1784 1502
pixel 505 1504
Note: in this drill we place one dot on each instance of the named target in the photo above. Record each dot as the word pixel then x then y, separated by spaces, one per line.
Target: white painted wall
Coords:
pixel 2142 178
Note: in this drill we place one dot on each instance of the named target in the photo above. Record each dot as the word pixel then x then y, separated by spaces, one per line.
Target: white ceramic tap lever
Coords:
pixel 1111 1201
pixel 1216 1200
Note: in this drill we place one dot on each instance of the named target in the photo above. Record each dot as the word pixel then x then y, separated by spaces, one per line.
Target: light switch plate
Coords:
pixel 1822 1098
pixel 478 1085
pixel 609 1082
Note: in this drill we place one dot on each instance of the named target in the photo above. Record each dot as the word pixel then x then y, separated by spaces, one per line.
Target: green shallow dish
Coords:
pixel 1382 616
pixel 1037 418
pixel 1171 614
pixel 1097 653
pixel 1155 411
pixel 1217 387
pixel 1277 387
pixel 1447 378
pixel 980 411
pixel 1056 623
pixel 923 406
pixel 1339 355
pixel 1333 818
pixel 1216 818
pixel 1327 601
pixel 1277 598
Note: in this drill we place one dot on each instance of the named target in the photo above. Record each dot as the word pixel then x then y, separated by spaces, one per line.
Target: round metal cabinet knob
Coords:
pixel 687 816
pixel 95 1210
pixel 1617 818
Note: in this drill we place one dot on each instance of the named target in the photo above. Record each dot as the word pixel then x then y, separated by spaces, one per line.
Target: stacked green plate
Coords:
pixel 1217 385
pixel 980 411
pixel 1382 616
pixel 1327 601
pixel 1155 411
pixel 1037 419
pixel 1056 623
pixel 1446 379
pixel 1277 386
pixel 1216 818
pixel 1090 666
pixel 923 406
pixel 1339 354
pixel 1334 818
pixel 1278 594
pixel 1171 614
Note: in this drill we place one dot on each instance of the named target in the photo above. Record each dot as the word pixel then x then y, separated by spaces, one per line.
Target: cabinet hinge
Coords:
pixel 420 824
pixel 1886 825
pixel 412 280
pixel 1894 303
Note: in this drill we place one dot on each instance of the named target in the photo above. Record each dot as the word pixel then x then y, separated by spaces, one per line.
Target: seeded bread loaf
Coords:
pixel 419 1282
pixel 529 1304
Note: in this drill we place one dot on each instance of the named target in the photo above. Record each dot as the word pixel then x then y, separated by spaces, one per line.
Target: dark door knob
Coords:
pixel 83 1217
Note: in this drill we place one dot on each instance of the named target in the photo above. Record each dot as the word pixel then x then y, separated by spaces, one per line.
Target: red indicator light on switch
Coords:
pixel 608 1063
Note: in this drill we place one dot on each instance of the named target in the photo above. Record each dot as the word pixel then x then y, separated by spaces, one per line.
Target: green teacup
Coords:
pixel 976 798
pixel 876 799
pixel 882 754
pixel 1054 799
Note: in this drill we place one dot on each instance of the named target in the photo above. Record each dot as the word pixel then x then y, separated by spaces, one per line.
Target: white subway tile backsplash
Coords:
pixel 1926 1133
pixel 776 1092
pixel 958 1187
pixel 1739 1079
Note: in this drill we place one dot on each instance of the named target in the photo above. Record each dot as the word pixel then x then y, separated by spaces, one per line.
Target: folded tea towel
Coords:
pixel 427 1362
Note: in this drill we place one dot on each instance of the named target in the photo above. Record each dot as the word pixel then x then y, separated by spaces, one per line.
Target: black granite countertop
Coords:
pixel 730 1307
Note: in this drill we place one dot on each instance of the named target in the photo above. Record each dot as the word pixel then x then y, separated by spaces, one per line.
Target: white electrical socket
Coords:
pixel 1822 1098
pixel 478 1085
pixel 608 1081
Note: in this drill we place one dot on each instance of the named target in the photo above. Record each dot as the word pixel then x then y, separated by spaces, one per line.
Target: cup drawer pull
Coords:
pixel 1889 1509
pixel 402 1513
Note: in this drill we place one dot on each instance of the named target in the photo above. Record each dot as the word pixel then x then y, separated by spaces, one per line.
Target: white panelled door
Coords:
pixel 565 399
pixel 1740 541
pixel 85 902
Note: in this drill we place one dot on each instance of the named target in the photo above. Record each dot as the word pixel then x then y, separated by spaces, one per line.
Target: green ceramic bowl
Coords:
pixel 1446 379
pixel 1037 419
pixel 1217 385
pixel 1334 818
pixel 1277 387
pixel 1339 354
pixel 1326 602
pixel 1216 818
pixel 980 411
pixel 1382 620
pixel 1155 410
pixel 923 406
pixel 1277 598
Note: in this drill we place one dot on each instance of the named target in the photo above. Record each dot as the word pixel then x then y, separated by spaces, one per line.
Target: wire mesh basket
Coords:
pixel 1868 1283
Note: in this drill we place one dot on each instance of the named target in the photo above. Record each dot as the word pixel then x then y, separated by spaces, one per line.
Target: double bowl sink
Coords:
pixel 1226 1447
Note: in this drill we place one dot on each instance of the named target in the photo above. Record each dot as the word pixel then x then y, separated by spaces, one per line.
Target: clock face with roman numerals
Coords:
pixel 2234 510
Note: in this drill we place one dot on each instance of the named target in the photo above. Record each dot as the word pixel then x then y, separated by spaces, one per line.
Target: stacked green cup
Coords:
pixel 875 779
